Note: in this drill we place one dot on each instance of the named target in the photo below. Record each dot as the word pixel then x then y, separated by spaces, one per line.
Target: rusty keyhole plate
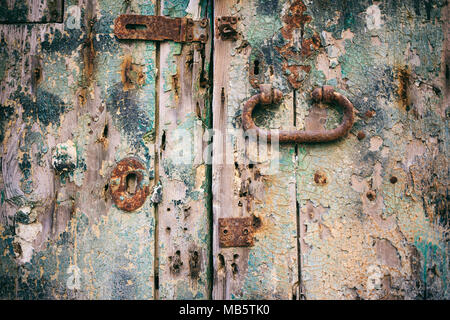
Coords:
pixel 125 196
pixel 236 232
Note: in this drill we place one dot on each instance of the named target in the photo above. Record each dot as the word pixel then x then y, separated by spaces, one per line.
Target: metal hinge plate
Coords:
pixel 160 28
pixel 236 232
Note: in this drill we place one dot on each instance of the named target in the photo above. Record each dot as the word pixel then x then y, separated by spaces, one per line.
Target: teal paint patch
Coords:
pixel 175 8
pixel 47 108
pixel 262 29
pixel 5 114
pixel 272 254
pixel 435 259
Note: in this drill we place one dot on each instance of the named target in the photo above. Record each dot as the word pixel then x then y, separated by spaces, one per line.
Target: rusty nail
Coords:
pixel 204 23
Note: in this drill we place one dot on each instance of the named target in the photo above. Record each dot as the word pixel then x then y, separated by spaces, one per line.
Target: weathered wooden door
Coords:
pixel 122 160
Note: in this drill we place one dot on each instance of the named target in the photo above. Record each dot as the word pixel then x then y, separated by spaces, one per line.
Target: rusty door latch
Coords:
pixel 268 95
pixel 160 28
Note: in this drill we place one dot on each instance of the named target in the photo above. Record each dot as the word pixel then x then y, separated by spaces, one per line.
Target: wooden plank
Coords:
pixel 74 87
pixel 30 11
pixel 371 228
pixel 183 214
pixel 243 182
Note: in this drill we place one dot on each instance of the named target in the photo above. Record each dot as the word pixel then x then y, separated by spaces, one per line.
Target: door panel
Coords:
pixel 74 109
pixel 372 207
pixel 243 182
pixel 367 214
pixel 183 213
pixel 364 217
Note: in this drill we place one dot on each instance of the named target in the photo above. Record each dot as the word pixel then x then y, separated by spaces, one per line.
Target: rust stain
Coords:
pixel 89 54
pixel 295 19
pixel 370 114
pixel 132 74
pixel 403 76
pixel 296 74
pixel 175 262
pixel 82 94
pixel 194 264
pixel 361 135
pixel 125 197
pixel 320 178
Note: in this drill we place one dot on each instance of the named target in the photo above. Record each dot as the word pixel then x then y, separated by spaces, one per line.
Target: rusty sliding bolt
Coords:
pixel 160 28
pixel 268 95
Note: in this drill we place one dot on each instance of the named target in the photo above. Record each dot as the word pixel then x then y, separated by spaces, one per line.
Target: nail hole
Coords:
pixel 105 131
pixel 371 195
pixel 393 179
pixel 245 232
pixel 361 135
pixel 221 261
pixel 256 222
pixel 234 268
pixel 225 231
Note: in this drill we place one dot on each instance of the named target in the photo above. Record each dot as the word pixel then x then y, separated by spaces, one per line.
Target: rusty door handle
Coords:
pixel 268 95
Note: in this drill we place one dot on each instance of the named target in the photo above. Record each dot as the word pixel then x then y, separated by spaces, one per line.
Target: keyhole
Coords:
pixel 256 67
pixel 131 183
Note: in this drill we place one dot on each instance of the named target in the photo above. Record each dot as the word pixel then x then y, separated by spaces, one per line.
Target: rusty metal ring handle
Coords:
pixel 268 95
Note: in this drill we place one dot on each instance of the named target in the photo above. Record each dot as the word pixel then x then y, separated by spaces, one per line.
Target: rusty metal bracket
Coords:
pixel 236 232
pixel 226 28
pixel 160 28
pixel 129 184
pixel 268 95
